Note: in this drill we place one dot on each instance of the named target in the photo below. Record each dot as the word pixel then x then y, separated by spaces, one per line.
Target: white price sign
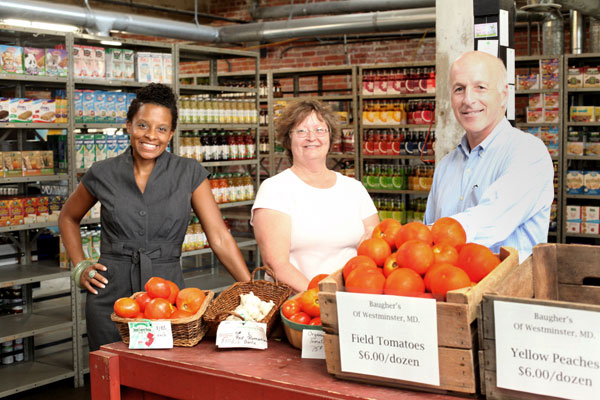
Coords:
pixel 245 334
pixel 312 344
pixel 148 334
pixel 389 336
pixel 552 351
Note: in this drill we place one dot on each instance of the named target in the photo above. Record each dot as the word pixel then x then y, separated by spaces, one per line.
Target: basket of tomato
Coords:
pixel 302 312
pixel 230 299
pixel 162 300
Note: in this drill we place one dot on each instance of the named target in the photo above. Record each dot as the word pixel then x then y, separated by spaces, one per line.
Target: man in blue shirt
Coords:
pixel 498 182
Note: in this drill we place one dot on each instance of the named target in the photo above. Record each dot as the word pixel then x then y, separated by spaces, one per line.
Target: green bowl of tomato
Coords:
pixel 295 321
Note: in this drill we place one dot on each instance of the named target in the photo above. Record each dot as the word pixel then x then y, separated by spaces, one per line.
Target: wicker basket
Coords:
pixel 229 299
pixel 187 332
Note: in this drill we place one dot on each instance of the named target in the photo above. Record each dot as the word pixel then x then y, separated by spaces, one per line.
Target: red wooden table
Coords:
pixel 206 372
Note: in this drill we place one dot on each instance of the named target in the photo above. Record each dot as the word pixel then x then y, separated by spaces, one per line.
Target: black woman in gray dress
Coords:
pixel 146 194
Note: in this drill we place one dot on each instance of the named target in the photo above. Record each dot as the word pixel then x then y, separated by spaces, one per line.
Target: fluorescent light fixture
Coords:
pixel 41 25
pixel 110 43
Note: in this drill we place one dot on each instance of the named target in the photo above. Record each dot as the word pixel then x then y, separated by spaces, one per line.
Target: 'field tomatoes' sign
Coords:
pixel 552 351
pixel 389 336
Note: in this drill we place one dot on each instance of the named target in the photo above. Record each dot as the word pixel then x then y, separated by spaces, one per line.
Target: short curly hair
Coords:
pixel 295 112
pixel 158 94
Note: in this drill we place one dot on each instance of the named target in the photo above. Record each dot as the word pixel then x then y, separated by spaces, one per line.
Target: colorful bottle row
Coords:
pixel 398 177
pixel 393 142
pixel 394 207
pixel 232 187
pixel 399 81
pixel 397 112
pixel 201 109
pixel 218 145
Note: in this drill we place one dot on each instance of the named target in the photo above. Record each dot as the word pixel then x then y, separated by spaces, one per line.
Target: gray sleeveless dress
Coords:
pixel 142 233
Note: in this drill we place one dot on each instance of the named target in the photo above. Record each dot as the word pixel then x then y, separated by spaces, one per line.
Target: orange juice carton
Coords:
pixel 573 219
pixel 11 58
pixel 47 162
pixel 575 77
pixel 99 63
pixel 30 210
pixel 574 182
pixel 591 77
pixel 43 210
pixel 592 144
pixel 13 163
pixel 44 110
pixel 591 183
pixel 536 100
pixel 15 211
pixel 99 106
pixel 87 103
pixel 582 113
pixel 551 115
pixel 114 63
pixel 100 147
pixel 535 115
pixel 128 64
pixel 575 143
pixel 120 108
pixel 111 107
pixel 34 60
pixel 144 67
pixel 551 100
pixel 167 60
pixel 4 109
pixel 549 65
pixel 89 150
pixel 157 68
pixel 4 212
pixel 56 62
pixel 550 80
pixel 31 163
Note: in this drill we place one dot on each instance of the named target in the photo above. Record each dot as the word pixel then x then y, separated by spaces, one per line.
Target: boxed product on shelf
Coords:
pixel 4 109
pixel 168 68
pixel 30 210
pixel 157 67
pixel 551 115
pixel 121 107
pixel 114 63
pixel 87 104
pixel 574 181
pixel 56 62
pixel 98 63
pixel 590 219
pixel 536 100
pixel 575 77
pixel 573 219
pixel 35 61
pixel 591 77
pixel 80 67
pixel 99 106
pixel 128 64
pixel 549 65
pixel 122 143
pixel 551 100
pixel 79 151
pixel 550 80
pixel 130 98
pixel 99 147
pixel 57 143
pixel 111 107
pixel 550 136
pixel 31 162
pixel 47 162
pixel 582 113
pixel 78 100
pixel 535 115
pixel 12 163
pixel 527 82
pixel 112 146
pixel 43 210
pixel 575 143
pixel 55 203
pixel 592 144
pixel 20 110
pixel 591 183
pixel 44 110
pixel 89 153
pixel 15 211
pixel 12 59
pixel 4 212
pixel 144 66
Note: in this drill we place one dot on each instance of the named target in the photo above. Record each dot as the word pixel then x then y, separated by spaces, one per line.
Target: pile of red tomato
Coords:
pixel 414 260
pixel 161 299
pixel 305 309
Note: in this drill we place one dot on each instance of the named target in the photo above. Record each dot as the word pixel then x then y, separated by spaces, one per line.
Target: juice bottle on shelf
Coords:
pixel 184 110
pixel 248 186
pixel 214 187
pixel 197 145
pixel 196 229
pixel 184 147
pixel 204 143
pixel 233 148
pixel 232 193
pixel 250 141
pixel 187 240
pixel 242 149
pixel 224 146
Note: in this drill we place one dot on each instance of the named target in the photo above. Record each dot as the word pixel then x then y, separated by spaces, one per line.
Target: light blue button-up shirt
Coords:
pixel 500 191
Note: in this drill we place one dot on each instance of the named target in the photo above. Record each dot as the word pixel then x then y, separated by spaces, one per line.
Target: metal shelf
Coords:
pixel 331 97
pixel 392 191
pixel 25 227
pixel 583 90
pixel 398 96
pixel 210 88
pixel 241 242
pixel 404 126
pixel 109 82
pixel 526 125
pixel 398 157
pixel 21 274
pixel 189 127
pixel 582 197
pixel 338 156
pixel 226 163
pixel 536 91
pixel 33 78
pixel 90 221
pixel 594 123
pixel 34 178
pixel 34 125
pixel 94 125
pixel 31 374
pixel 583 235
pixel 236 204
pixel 588 158
pixel 30 324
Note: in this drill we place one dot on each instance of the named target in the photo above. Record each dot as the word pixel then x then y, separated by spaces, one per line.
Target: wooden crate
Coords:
pixel 553 276
pixel 456 324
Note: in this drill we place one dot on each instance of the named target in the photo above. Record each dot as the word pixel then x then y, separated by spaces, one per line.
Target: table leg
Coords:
pixel 104 375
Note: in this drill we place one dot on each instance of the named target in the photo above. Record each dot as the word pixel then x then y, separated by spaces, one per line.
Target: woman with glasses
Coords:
pixel 147 195
pixel 308 219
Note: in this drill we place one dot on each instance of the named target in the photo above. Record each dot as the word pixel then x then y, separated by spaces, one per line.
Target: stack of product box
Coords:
pixel 18 210
pixel 543 108
pixel 27 163
pixel 97 147
pixel 583 182
pixel 580 143
pixel 27 110
pixel 549 135
pixel 97 106
pixel 583 219
pixel 33 61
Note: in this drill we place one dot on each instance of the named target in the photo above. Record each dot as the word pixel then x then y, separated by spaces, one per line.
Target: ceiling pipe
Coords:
pixel 338 7
pixel 586 7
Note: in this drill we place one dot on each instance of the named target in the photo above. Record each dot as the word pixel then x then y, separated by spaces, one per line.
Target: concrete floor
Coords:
pixel 62 390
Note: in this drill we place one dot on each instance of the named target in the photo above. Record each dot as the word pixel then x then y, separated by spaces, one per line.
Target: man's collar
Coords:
pixel 464 142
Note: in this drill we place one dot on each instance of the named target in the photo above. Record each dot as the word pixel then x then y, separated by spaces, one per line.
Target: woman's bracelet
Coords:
pixel 77 271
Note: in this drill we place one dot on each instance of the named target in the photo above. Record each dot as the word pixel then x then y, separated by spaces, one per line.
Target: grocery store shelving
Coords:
pixel 33 178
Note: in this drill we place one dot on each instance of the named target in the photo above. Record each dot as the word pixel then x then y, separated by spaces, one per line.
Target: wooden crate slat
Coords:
pixel 579 293
pixel 576 263
pixel 544 272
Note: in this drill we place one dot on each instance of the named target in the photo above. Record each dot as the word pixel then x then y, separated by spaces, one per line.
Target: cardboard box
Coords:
pixel 536 100
pixel 89 150
pixel 11 58
pixel 575 182
pixel 99 106
pixel 110 102
pixel 4 109
pixel 590 228
pixel 129 64
pixel 581 113
pixel 88 106
pixel 31 162
pixel 43 210
pixel 575 77
pixel 144 67
pixel 15 211
pixel 590 213
pixel 528 82
pixel 591 77
pixel 550 80
pixel 30 210
pixel 47 162
pixel 111 146
pixel 79 151
pixel 13 163
pixel 456 325
pixel 122 143
pixel 535 115
pixel 551 115
pixel 56 62
pixel 114 63
pixel 20 110
pixel 34 60
pixel 549 65
pixel 44 111
pixel 99 63
pixel 551 100
pixel 592 144
pixel 157 73
pixel 552 277
pixel 167 68
pixel 550 137
pixel 78 99
pixel 120 108
pixel 79 64
pixel 54 205
pixel 573 213
pixel 591 183
pixel 100 147
pixel 4 212
pixel 575 143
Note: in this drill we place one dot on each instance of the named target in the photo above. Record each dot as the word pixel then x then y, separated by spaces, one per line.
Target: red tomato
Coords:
pixel 309 302
pixel 315 321
pixel 157 287
pixel 357 261
pixel 300 318
pixel 289 308
pixel 365 280
pixel 174 291
pixel 477 261
pixel 158 308
pixel 448 277
pixel 448 230
pixel 190 299
pixel 314 282
pixel 375 248
pixel 126 307
pixel 387 230
pixel 414 231
pixel 390 264
pixel 416 255
pixel 142 299
pixel 404 282
pixel 444 253
pixel 181 314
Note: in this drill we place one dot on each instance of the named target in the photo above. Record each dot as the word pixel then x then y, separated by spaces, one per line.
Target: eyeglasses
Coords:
pixel 302 133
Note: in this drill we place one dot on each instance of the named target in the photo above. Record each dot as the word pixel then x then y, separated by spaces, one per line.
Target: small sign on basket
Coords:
pixel 150 335
pixel 312 344
pixel 246 334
